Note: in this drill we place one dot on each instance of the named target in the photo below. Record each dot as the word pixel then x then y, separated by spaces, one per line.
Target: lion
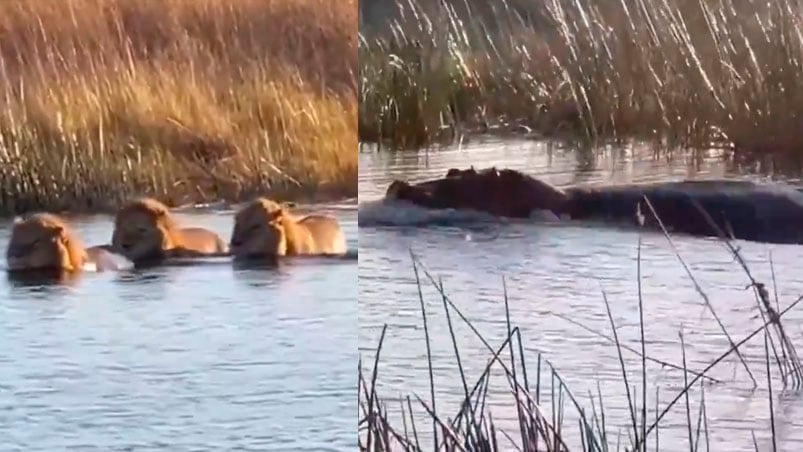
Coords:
pixel 144 230
pixel 264 228
pixel 44 242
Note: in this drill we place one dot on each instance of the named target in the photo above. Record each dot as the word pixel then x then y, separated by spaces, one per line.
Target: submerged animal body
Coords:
pixel 44 242
pixel 739 209
pixel 735 209
pixel 263 228
pixel 504 193
pixel 144 230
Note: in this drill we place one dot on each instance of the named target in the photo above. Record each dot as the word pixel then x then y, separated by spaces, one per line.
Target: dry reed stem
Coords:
pixel 186 100
pixel 534 426
pixel 683 74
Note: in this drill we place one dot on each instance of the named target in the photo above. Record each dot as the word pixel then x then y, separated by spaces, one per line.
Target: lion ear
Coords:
pixel 57 234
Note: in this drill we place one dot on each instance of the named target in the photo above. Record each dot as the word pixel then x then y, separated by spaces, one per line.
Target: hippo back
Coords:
pixel 743 209
pixel 505 192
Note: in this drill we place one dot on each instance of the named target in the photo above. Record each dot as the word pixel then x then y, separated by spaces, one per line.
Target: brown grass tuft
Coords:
pixel 184 100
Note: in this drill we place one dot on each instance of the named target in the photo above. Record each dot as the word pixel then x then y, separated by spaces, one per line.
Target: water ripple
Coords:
pixel 183 358
pixel 563 269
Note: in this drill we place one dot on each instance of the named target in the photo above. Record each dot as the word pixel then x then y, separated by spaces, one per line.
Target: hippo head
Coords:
pixel 502 192
pixel 492 172
pixel 397 189
pixel 454 172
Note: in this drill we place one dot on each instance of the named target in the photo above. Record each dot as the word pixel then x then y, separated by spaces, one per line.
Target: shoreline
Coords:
pixel 330 196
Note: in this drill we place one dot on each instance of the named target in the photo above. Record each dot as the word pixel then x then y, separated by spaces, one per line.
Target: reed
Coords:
pixel 684 74
pixel 185 100
pixel 542 398
pixel 542 401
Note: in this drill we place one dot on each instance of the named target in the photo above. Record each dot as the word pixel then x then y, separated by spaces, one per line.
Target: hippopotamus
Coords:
pixel 743 210
pixel 504 193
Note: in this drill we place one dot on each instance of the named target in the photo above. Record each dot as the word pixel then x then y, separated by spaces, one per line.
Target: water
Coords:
pixel 554 270
pixel 182 358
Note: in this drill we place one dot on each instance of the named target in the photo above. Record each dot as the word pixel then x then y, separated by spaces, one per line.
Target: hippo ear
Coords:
pixel 393 189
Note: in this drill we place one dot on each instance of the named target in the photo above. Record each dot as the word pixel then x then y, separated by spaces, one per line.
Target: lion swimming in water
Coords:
pixel 44 242
pixel 263 228
pixel 144 230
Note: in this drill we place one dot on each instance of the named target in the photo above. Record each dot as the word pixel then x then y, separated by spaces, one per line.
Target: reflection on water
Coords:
pixel 554 270
pixel 192 356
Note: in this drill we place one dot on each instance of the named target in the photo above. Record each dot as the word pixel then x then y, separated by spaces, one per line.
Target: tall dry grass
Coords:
pixel 187 100
pixel 684 73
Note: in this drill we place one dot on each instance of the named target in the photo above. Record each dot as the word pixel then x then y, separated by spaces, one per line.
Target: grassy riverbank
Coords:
pixel 186 100
pixel 683 74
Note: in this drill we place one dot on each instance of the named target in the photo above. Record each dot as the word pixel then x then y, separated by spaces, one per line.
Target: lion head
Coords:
pixel 44 242
pixel 144 229
pixel 259 230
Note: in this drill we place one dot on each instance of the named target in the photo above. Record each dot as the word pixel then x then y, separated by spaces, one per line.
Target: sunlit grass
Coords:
pixel 187 100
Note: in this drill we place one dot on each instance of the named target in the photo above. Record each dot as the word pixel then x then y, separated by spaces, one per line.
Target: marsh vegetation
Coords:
pixel 688 74
pixel 183 100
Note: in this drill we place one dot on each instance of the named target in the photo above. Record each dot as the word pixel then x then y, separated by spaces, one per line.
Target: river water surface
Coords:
pixel 554 270
pixel 182 358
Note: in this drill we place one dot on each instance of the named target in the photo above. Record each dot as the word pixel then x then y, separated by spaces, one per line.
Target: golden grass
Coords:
pixel 683 73
pixel 185 100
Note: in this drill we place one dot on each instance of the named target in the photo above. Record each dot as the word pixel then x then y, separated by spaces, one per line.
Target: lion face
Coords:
pixel 259 230
pixel 44 242
pixel 144 229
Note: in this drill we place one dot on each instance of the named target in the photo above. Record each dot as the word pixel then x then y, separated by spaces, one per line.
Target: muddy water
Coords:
pixel 558 271
pixel 182 358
